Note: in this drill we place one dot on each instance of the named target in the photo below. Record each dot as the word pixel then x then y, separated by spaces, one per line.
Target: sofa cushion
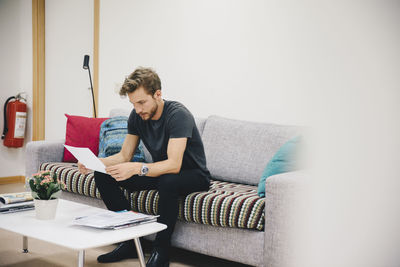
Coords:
pixel 238 151
pixel 74 181
pixel 225 204
pixel 82 132
pixel 285 160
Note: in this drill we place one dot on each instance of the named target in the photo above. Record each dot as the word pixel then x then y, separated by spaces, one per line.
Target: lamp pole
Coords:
pixel 86 67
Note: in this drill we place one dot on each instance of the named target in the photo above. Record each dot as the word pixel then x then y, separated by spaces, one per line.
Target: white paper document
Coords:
pixel 87 158
pixel 114 220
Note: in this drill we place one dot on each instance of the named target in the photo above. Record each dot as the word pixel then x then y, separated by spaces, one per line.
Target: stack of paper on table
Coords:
pixel 12 202
pixel 114 220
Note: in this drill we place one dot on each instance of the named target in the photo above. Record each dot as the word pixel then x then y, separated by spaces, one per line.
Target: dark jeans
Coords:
pixel 169 186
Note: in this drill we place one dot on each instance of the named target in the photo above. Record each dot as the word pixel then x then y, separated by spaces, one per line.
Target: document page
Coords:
pixel 87 158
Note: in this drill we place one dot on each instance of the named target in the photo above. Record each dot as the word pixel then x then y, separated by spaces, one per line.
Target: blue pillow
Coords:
pixel 112 136
pixel 284 160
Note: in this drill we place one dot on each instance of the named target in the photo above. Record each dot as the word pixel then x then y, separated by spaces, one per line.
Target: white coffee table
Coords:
pixel 61 230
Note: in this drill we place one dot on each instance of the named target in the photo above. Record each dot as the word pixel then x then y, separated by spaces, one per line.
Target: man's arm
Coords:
pixel 128 148
pixel 176 149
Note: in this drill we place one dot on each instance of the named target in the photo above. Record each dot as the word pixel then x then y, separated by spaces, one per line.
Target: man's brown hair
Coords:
pixel 145 77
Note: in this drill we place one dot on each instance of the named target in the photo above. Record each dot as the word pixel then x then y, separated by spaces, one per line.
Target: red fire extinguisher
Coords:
pixel 14 121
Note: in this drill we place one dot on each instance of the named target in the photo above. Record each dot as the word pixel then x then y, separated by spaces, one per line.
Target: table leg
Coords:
pixel 139 252
pixel 81 258
pixel 25 244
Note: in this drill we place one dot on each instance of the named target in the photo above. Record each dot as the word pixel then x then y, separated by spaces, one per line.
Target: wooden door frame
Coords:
pixel 38 86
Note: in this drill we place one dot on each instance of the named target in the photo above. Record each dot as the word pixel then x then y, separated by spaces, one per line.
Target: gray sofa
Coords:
pixel 237 152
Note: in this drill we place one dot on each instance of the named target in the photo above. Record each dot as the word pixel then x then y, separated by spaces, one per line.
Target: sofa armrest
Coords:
pixel 282 193
pixel 38 152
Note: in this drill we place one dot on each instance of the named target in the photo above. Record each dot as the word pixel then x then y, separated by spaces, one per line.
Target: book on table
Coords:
pixel 13 202
pixel 114 220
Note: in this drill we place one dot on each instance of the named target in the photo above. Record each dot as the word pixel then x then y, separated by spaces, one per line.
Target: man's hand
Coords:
pixel 82 169
pixel 124 170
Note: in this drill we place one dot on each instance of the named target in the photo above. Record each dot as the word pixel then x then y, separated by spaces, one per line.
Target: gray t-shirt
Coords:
pixel 176 121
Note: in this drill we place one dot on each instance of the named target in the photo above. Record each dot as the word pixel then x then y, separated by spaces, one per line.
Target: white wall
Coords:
pixel 217 57
pixel 15 73
pixel 69 36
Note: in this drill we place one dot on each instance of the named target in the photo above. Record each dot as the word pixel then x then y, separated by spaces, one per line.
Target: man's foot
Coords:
pixel 158 258
pixel 125 250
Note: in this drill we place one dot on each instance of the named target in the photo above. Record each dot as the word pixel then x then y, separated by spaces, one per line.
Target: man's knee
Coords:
pixel 101 178
pixel 168 184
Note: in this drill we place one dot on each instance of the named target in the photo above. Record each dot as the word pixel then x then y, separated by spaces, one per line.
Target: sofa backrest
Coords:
pixel 238 151
pixel 119 112
pixel 200 123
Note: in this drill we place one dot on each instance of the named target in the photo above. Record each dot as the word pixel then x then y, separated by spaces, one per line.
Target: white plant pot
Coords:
pixel 46 209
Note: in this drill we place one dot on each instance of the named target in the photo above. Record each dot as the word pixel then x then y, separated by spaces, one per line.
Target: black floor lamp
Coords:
pixel 86 67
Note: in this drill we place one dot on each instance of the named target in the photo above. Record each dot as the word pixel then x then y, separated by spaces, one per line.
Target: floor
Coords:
pixel 42 254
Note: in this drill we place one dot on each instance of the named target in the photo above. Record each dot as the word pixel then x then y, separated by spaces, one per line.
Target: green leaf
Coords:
pixel 32 184
pixel 50 190
pixel 42 192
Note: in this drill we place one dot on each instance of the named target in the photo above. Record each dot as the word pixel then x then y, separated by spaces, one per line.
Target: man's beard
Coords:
pixel 152 112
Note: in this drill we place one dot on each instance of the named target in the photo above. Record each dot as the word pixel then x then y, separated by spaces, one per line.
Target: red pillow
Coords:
pixel 82 132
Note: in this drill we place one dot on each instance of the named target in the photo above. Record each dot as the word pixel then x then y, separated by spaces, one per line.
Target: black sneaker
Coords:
pixel 125 250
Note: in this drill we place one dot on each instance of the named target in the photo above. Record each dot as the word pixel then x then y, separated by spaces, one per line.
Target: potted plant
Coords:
pixel 45 186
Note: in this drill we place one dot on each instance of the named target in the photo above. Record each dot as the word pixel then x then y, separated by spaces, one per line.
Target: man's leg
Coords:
pixel 111 193
pixel 170 187
pixel 115 200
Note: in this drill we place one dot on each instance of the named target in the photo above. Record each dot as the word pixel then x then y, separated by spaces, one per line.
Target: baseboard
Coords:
pixel 12 180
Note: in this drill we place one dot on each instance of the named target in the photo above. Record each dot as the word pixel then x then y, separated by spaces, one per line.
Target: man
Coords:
pixel 169 132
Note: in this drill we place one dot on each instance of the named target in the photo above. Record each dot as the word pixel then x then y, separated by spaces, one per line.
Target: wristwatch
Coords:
pixel 144 170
